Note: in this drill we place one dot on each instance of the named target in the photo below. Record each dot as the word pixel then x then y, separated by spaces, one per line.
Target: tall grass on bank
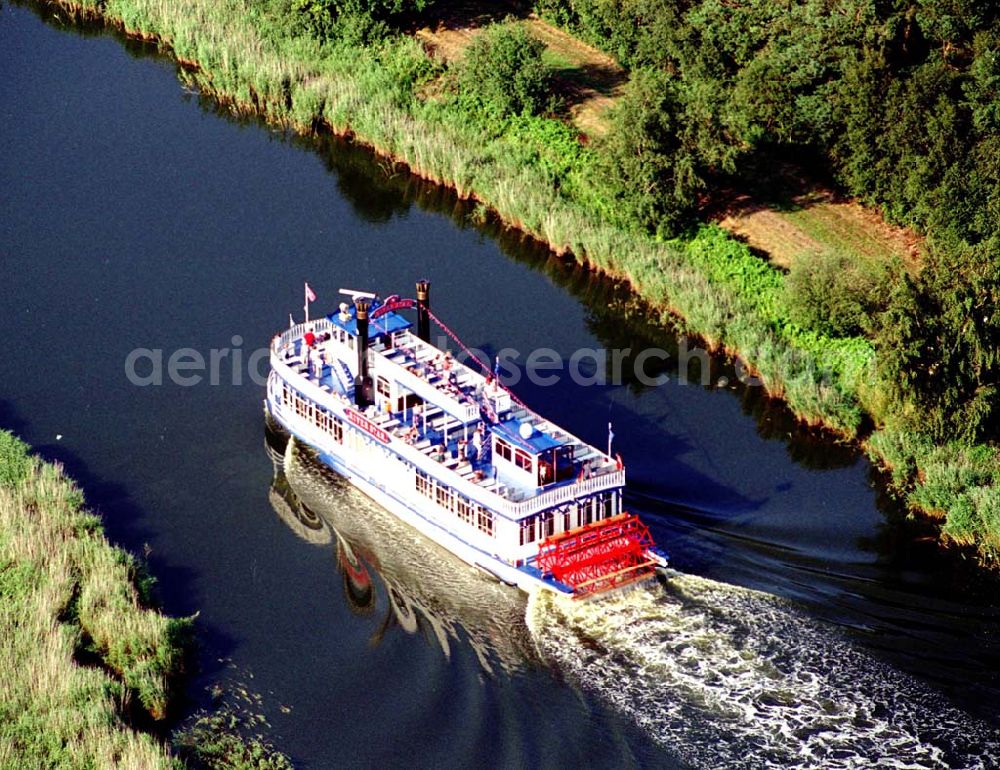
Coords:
pixel 958 483
pixel 66 593
pixel 80 652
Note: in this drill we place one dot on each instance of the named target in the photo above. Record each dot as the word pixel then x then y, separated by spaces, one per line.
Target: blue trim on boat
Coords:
pixel 533 571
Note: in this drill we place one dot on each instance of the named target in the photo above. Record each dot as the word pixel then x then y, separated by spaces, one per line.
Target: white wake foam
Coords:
pixel 727 677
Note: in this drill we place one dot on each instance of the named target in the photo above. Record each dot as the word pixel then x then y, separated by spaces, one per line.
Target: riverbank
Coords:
pixel 532 175
pixel 88 669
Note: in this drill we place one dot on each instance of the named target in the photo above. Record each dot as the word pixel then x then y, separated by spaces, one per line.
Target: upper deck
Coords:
pixel 451 421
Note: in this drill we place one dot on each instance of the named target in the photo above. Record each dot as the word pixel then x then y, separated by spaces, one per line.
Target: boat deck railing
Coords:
pixel 446 421
pixel 440 373
pixel 450 389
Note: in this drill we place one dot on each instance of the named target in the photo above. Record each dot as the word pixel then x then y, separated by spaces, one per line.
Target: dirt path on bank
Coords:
pixel 588 80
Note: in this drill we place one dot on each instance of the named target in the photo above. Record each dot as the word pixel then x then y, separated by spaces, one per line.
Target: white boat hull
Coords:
pixel 399 506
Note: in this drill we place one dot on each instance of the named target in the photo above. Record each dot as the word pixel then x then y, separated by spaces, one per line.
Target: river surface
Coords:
pixel 810 623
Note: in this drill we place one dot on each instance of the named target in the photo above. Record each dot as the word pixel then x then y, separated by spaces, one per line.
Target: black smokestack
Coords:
pixel 423 306
pixel 363 382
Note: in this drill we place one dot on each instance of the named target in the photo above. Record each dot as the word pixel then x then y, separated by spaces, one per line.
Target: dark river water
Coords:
pixel 810 623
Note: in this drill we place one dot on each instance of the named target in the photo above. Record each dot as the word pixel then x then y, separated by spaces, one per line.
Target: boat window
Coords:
pixel 522 459
pixel 444 497
pixel 528 530
pixel 382 384
pixel 548 525
pixel 485 520
pixel 424 484
pixel 502 448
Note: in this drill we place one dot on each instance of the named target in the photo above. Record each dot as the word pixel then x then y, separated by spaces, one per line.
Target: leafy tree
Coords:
pixel 981 95
pixel 354 21
pixel 654 175
pixel 939 341
pixel 901 97
pixel 503 73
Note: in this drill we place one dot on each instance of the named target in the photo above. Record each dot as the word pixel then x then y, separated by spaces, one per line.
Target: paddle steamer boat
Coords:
pixel 453 452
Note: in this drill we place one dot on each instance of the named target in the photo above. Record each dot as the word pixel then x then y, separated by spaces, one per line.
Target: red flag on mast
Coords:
pixel 310 297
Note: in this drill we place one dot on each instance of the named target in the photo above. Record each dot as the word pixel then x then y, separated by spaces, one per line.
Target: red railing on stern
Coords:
pixel 600 556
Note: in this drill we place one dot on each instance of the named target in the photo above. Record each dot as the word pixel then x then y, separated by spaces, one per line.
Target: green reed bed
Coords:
pixel 956 483
pixel 82 655
pixel 66 594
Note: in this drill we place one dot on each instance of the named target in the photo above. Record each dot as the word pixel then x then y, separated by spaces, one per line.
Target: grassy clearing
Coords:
pixel 589 80
pixel 814 221
pixel 532 175
pixel 81 653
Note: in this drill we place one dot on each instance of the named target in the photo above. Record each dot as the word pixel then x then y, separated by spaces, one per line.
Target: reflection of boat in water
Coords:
pixel 299 518
pixel 453 453
pixel 425 589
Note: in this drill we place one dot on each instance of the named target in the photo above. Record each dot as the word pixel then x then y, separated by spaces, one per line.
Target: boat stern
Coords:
pixel 600 557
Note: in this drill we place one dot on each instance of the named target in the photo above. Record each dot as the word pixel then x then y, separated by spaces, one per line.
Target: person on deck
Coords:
pixel 317 362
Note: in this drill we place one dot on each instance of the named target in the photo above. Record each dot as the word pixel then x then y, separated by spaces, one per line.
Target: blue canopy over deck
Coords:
pixel 387 323
pixel 510 431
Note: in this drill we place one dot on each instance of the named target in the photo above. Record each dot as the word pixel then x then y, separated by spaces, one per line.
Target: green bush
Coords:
pixel 503 74
pixel 939 340
pixel 900 451
pixel 948 472
pixel 836 294
pixel 973 518
pixel 727 261
pixel 15 462
pixel 328 20
pixel 352 22
pixel 986 500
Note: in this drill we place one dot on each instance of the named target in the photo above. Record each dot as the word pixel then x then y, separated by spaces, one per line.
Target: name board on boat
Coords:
pixel 395 302
pixel 359 420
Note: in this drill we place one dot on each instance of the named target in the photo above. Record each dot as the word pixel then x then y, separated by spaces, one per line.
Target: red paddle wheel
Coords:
pixel 600 556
